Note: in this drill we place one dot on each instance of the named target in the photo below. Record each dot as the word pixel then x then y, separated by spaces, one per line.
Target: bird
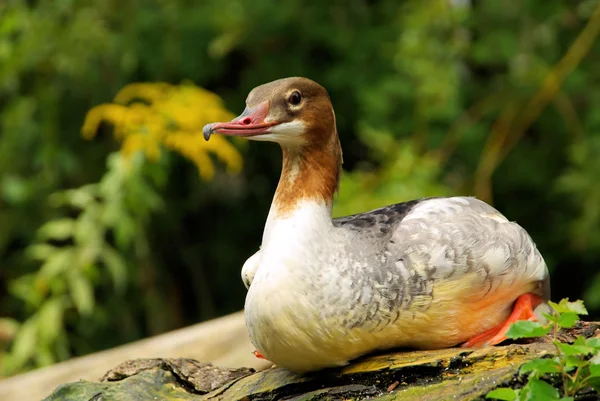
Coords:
pixel 429 273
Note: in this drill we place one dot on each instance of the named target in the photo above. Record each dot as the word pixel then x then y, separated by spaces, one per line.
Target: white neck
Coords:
pixel 308 221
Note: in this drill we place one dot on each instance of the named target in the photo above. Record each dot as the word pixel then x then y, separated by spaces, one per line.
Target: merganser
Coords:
pixel 425 274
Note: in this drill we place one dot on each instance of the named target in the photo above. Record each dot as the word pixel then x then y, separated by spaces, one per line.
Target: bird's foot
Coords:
pixel 261 356
pixel 258 355
pixel 523 310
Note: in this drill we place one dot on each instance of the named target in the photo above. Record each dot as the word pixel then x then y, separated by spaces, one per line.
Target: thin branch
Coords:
pixel 471 116
pixel 492 151
pixel 551 85
pixel 565 107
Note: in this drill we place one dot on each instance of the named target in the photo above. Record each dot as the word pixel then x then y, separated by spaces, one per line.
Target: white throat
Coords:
pixel 293 244
pixel 308 221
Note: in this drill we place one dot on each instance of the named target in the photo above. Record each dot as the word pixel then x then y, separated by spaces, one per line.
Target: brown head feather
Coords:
pixel 311 169
pixel 296 113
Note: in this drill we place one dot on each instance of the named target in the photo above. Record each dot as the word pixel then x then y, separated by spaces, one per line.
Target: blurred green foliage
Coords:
pixel 119 204
pixel 433 97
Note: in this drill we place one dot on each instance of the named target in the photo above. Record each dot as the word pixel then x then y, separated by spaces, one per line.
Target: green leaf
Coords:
pixel 60 229
pixel 593 342
pixel 44 356
pixel 58 262
pixel 82 293
pixel 565 306
pixel 573 361
pixel 87 230
pixel 552 317
pixel 50 317
pixel 567 320
pixel 541 366
pixel 503 393
pixel 82 197
pixel 526 329
pixel 594 382
pixel 595 366
pixel 539 390
pixel 25 288
pixel 41 251
pixel 125 230
pixel 25 343
pixel 569 349
pixel 117 267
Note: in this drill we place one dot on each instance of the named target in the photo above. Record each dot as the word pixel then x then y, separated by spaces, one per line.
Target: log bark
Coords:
pixel 447 374
pixel 223 341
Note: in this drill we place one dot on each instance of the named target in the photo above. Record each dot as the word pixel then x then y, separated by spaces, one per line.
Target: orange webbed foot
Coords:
pixel 523 310
pixel 258 355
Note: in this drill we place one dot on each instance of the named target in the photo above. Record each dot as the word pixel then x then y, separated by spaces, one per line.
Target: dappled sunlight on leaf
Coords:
pixel 148 116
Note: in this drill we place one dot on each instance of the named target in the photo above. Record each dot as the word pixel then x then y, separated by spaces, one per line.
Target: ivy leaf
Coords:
pixel 538 390
pixel 595 366
pixel 552 317
pixel 540 366
pixel 577 307
pixel 564 306
pixel 594 382
pixel 594 343
pixel 567 320
pixel 526 329
pixel 569 349
pixel 573 361
pixel 503 393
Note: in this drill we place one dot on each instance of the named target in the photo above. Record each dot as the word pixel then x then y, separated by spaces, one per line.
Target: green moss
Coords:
pixel 147 385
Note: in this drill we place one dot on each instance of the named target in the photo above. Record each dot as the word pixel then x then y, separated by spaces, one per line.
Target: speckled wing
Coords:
pixel 432 250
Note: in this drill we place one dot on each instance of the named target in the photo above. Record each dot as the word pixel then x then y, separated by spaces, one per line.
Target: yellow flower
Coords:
pixel 148 116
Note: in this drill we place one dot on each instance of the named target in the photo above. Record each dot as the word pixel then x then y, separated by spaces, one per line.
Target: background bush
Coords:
pixel 495 99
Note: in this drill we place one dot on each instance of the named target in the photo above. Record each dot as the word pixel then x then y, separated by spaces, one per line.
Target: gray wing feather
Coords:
pixel 420 243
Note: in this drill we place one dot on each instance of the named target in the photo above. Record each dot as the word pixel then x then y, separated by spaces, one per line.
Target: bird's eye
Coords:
pixel 295 98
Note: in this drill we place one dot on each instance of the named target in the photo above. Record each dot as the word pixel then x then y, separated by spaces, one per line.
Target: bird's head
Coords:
pixel 293 112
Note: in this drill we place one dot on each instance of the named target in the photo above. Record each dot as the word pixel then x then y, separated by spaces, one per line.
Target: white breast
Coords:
pixel 324 294
pixel 282 311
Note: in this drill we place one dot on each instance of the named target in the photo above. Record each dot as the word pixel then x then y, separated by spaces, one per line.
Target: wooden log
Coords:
pixel 437 375
pixel 222 341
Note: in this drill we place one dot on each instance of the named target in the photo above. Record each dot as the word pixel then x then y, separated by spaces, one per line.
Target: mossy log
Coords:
pixel 447 374
pixel 223 341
